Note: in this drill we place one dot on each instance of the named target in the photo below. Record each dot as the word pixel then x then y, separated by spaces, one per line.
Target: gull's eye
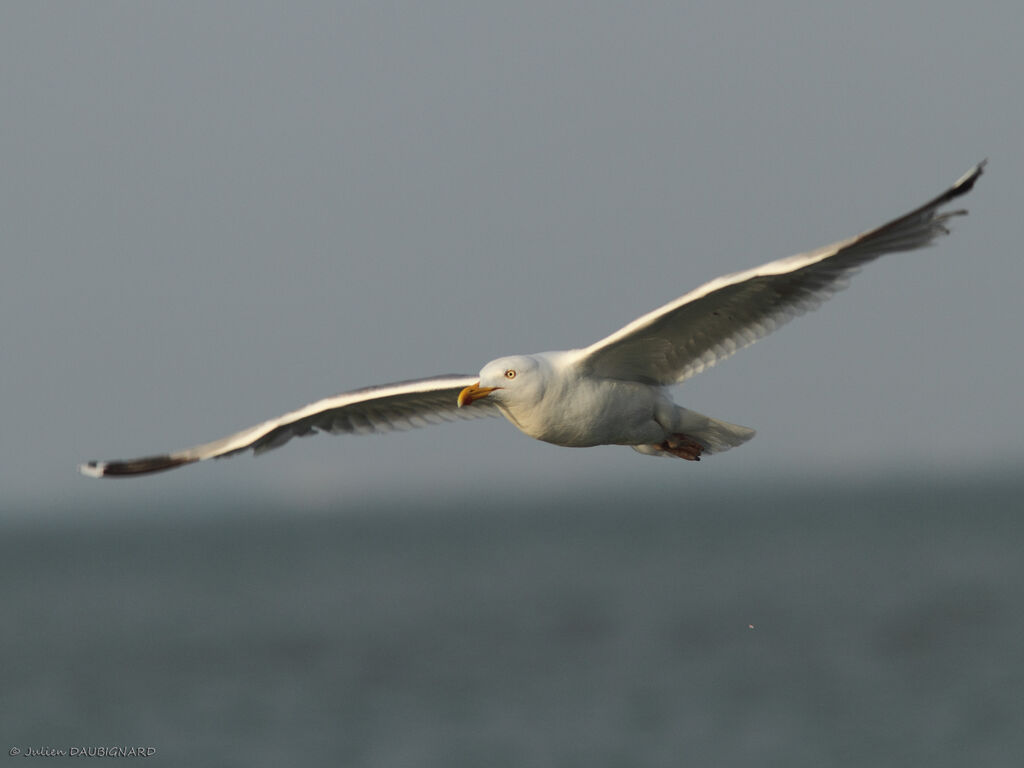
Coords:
pixel 510 374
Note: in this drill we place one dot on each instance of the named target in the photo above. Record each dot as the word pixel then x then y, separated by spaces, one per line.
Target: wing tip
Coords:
pixel 93 468
pixel 143 466
pixel 965 183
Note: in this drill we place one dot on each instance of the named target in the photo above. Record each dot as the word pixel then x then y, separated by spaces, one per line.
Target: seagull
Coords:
pixel 616 391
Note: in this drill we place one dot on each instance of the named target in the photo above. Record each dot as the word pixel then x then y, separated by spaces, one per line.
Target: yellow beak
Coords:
pixel 474 392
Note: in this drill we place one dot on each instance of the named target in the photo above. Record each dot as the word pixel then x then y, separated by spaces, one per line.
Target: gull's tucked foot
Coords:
pixel 683 446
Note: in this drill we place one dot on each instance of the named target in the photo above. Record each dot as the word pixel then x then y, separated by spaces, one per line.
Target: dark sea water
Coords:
pixel 822 626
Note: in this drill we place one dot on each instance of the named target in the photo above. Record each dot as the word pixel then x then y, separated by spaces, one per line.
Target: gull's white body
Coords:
pixel 580 411
pixel 561 404
pixel 616 390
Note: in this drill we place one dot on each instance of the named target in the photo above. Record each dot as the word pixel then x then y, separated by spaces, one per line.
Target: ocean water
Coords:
pixel 828 625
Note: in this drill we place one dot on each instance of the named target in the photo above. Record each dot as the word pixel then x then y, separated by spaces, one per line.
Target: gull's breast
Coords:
pixel 589 412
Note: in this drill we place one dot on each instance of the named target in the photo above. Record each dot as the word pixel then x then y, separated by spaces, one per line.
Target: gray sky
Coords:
pixel 213 213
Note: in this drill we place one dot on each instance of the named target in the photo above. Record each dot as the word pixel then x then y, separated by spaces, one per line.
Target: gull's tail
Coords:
pixel 714 435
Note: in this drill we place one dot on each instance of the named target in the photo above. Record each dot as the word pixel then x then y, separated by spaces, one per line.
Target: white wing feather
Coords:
pixel 386 408
pixel 709 324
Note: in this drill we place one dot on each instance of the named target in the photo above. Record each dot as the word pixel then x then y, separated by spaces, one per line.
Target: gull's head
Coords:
pixel 510 381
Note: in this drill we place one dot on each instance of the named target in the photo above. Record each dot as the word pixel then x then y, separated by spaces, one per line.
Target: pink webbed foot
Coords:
pixel 683 446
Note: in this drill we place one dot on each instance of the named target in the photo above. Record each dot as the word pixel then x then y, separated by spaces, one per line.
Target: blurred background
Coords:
pixel 213 213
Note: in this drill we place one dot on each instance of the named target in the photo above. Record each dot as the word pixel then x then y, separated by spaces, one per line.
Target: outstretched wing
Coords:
pixel 682 338
pixel 385 408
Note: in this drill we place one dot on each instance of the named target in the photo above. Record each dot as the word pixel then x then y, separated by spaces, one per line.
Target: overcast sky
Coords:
pixel 212 213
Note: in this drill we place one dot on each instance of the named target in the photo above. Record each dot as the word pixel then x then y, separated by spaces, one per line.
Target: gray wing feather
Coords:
pixel 404 405
pixel 709 324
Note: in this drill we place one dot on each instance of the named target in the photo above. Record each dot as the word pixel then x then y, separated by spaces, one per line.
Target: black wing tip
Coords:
pixel 965 183
pixel 960 187
pixel 143 466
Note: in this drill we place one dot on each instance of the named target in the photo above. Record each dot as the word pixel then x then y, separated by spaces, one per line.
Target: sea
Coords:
pixel 815 624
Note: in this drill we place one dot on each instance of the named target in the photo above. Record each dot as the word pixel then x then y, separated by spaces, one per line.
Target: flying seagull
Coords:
pixel 616 390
